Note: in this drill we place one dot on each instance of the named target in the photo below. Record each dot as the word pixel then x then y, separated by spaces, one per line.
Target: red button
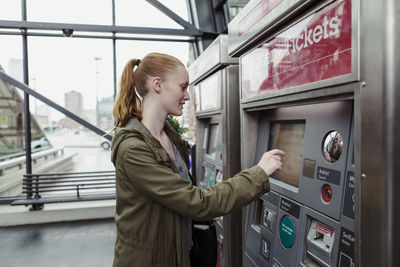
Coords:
pixel 327 193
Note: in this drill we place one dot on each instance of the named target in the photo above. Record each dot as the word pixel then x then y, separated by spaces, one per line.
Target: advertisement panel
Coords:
pixel 317 48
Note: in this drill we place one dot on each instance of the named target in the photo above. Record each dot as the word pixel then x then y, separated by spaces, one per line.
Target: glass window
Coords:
pixel 70 11
pixel 74 73
pixel 179 7
pixel 127 50
pixel 58 143
pixel 10 10
pixel 11 121
pixel 11 56
pixel 143 14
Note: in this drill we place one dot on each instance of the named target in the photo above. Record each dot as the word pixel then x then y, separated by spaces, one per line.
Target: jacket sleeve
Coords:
pixel 157 181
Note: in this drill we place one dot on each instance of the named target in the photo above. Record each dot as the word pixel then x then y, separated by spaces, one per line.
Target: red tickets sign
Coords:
pixel 262 9
pixel 317 48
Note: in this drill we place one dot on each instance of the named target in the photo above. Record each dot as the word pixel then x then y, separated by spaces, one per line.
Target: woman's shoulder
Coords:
pixel 127 138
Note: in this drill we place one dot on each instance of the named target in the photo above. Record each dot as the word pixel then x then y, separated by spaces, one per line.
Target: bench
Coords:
pixel 46 188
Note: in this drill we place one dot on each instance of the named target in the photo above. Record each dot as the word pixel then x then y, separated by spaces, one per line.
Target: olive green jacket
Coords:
pixel 154 202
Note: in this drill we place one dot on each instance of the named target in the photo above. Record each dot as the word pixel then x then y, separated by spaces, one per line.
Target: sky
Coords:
pixel 59 65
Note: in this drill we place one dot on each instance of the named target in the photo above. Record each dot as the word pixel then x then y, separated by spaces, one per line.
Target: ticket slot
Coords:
pixel 320 239
pixel 259 212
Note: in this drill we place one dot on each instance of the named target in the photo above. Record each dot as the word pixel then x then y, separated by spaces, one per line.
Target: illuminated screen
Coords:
pixel 212 140
pixel 288 137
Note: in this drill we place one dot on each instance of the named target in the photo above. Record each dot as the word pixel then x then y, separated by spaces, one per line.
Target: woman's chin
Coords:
pixel 176 113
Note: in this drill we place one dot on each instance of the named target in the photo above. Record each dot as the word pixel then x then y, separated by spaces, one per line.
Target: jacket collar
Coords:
pixel 135 124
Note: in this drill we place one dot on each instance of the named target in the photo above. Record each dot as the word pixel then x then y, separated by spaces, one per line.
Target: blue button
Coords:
pixel 287 232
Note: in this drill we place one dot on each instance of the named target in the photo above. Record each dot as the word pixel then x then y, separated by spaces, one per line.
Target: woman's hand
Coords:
pixel 271 161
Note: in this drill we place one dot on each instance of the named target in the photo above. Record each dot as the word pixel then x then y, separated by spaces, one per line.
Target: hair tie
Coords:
pixel 137 62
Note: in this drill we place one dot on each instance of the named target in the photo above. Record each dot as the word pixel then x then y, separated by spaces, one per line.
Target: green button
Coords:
pixel 287 232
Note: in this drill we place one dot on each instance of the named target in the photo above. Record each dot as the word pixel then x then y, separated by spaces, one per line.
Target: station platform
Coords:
pixel 76 243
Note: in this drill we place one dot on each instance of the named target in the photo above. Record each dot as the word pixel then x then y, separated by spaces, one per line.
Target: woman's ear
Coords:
pixel 157 84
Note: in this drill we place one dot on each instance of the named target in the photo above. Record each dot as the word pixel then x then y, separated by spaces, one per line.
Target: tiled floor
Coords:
pixel 84 243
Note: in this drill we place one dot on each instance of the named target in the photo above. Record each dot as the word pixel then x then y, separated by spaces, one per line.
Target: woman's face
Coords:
pixel 175 91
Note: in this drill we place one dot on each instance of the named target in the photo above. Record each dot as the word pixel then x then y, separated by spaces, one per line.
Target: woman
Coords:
pixel 155 197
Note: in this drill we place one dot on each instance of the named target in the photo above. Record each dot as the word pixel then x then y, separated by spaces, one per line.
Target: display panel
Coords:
pixel 288 137
pixel 210 92
pixel 212 140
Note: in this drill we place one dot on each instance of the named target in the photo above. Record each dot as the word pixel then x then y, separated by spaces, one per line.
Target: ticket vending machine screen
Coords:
pixel 212 140
pixel 288 137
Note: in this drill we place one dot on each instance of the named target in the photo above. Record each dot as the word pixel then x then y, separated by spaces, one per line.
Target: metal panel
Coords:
pixel 392 129
pixel 227 116
pixel 213 58
pixel 341 92
pixel 231 161
pixel 371 216
pixel 378 217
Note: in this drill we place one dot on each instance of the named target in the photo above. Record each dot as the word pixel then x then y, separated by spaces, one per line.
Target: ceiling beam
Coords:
pixel 31 25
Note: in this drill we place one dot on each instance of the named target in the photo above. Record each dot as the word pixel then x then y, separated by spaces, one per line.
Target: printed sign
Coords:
pixel 349 207
pixel 290 207
pixel 287 232
pixel 328 175
pixel 346 248
pixel 317 48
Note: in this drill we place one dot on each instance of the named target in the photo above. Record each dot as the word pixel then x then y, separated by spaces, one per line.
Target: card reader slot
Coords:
pixel 320 240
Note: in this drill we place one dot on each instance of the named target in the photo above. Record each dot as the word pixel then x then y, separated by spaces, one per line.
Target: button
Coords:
pixel 327 193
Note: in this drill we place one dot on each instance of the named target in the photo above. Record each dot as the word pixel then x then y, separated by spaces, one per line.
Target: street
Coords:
pixel 90 156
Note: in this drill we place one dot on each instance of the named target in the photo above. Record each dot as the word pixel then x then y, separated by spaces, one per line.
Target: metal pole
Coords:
pixel 114 52
pixel 392 130
pixel 27 121
pixel 115 66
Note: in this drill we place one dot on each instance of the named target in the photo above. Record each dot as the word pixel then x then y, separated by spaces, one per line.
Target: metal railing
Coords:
pixel 18 162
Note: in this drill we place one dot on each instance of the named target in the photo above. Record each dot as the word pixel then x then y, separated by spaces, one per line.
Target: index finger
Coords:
pixel 277 152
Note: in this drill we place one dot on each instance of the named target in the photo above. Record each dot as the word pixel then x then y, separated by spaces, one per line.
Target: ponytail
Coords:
pixel 127 103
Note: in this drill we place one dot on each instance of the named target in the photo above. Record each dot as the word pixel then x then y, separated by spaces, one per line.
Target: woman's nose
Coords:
pixel 186 96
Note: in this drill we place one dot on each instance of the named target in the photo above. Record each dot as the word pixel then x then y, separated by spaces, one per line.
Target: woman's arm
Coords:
pixel 157 181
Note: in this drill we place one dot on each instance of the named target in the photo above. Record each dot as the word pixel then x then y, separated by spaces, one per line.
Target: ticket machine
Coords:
pixel 215 77
pixel 298 77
